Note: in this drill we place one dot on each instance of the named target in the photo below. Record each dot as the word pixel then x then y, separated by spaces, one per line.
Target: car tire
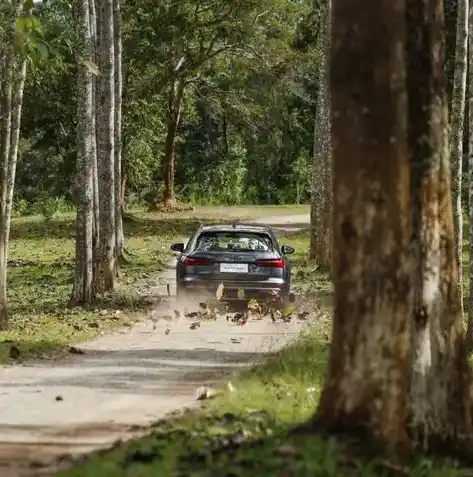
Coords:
pixel 288 298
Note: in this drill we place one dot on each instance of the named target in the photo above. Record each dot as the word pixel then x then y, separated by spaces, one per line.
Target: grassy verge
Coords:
pixel 248 430
pixel 40 280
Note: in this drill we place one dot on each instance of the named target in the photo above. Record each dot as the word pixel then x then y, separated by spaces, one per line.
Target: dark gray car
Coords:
pixel 242 256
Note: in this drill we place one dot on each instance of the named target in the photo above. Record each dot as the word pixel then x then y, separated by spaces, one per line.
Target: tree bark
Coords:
pixel 7 52
pixel 321 203
pixel 104 279
pixel 457 123
pixel 440 375
pixel 119 235
pixel 174 109
pixel 83 284
pixel 17 106
pixel 470 182
pixel 366 386
pixel 93 138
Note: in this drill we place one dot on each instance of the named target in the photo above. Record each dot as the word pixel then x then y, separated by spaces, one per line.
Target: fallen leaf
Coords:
pixel 59 398
pixel 168 330
pixel 195 325
pixel 205 393
pixel 219 292
pixel 203 305
pixel 177 314
pixel 302 315
pixel 241 294
pixel 74 350
pixel 230 387
pixel 288 311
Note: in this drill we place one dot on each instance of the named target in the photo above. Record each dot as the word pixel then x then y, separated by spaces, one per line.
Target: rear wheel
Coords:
pixel 287 298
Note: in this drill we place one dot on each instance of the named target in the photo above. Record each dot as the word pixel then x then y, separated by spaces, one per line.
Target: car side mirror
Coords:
pixel 177 247
pixel 286 250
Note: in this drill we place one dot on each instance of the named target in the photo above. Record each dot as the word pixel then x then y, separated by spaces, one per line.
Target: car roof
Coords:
pixel 238 226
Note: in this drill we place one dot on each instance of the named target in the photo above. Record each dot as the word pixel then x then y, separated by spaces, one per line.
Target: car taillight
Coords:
pixel 197 261
pixel 271 263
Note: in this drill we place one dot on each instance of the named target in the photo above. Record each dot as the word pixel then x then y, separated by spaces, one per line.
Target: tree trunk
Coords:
pixel 104 279
pixel 93 138
pixel 7 53
pixel 440 375
pixel 119 235
pixel 457 123
pixel 321 203
pixel 470 183
pixel 173 118
pixel 83 292
pixel 366 386
pixel 17 106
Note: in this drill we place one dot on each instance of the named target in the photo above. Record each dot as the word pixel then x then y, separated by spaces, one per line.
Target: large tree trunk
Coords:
pixel 366 388
pixel 83 292
pixel 457 122
pixel 440 376
pixel 470 181
pixel 119 236
pixel 104 279
pixel 321 202
pixel 174 109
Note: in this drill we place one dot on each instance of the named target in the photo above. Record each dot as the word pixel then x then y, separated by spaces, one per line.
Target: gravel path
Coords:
pixel 125 380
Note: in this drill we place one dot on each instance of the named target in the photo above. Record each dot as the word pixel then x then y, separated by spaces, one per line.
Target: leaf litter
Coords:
pixel 215 308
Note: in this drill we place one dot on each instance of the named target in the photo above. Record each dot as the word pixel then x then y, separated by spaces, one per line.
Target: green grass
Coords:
pixel 40 322
pixel 250 430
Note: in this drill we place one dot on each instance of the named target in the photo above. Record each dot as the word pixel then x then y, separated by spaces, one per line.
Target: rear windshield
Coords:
pixel 237 241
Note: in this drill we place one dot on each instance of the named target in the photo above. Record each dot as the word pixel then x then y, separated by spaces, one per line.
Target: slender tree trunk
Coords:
pixel 95 184
pixel 7 53
pixel 321 203
pixel 440 375
pixel 470 180
pixel 119 236
pixel 83 292
pixel 366 386
pixel 104 279
pixel 18 90
pixel 173 118
pixel 457 123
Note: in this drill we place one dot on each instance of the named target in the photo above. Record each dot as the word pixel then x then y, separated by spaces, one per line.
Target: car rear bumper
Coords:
pixel 268 289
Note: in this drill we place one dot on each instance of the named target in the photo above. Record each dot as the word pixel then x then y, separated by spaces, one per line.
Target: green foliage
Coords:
pixel 247 121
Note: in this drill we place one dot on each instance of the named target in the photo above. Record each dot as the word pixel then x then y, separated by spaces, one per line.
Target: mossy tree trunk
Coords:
pixel 398 366
pixel 457 125
pixel 470 180
pixel 105 276
pixel 12 82
pixel 321 201
pixel 83 290
pixel 118 51
pixel 440 375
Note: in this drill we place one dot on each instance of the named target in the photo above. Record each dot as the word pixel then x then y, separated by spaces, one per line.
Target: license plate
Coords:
pixel 234 267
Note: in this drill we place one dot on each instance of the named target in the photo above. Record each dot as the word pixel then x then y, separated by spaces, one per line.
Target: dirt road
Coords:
pixel 125 380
